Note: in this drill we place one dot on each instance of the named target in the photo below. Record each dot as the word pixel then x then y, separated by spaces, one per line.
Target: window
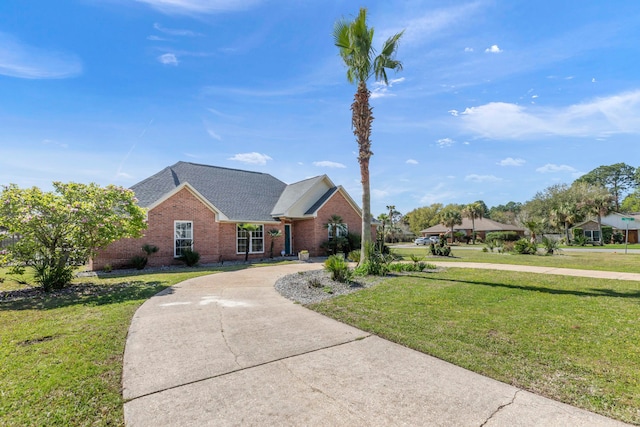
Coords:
pixel 255 240
pixel 592 235
pixel 342 231
pixel 183 237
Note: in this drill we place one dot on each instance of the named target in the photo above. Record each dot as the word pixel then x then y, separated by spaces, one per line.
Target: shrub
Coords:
pixel 190 257
pixel 551 245
pixel 150 249
pixel 139 262
pixel 338 268
pixel 505 236
pixel 376 263
pixel 525 247
pixel 580 240
pixel 607 233
pixel 108 268
pixel 618 237
pixel 577 234
pixel 51 275
pixel 354 256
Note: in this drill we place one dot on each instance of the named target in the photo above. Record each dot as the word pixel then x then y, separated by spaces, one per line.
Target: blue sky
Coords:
pixel 497 100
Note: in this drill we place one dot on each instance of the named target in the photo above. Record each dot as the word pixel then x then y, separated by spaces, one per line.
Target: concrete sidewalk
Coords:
pixel 227 349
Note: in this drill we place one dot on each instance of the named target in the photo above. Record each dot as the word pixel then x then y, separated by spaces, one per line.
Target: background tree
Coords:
pixel 506 214
pixel 61 229
pixel 474 211
pixel 450 217
pixel 631 203
pixel 354 41
pixel 595 200
pixel 424 217
pixel 274 233
pixel 247 230
pixel 617 178
pixel 383 228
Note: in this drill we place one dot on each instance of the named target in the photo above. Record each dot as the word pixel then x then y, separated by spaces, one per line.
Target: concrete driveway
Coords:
pixel 228 350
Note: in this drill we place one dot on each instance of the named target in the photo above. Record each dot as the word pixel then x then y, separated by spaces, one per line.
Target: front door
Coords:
pixel 287 239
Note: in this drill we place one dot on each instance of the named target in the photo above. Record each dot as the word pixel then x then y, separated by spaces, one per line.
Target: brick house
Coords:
pixel 482 227
pixel 200 207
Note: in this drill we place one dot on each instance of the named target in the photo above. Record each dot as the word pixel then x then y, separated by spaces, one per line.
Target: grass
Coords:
pixel 61 354
pixel 570 339
pixel 604 261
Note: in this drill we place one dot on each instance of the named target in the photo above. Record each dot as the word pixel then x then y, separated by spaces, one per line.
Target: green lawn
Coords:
pixel 61 357
pixel 570 339
pixel 606 261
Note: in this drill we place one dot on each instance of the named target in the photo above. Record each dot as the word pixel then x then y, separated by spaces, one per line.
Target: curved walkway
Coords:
pixel 227 349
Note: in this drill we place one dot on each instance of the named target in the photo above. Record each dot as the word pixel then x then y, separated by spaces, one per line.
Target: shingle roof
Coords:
pixel 240 195
pixel 482 224
pixel 292 193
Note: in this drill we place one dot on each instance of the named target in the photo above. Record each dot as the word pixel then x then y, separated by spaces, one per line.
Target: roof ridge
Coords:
pixel 226 168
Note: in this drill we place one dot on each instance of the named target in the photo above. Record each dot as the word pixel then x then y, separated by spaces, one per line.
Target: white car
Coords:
pixel 422 241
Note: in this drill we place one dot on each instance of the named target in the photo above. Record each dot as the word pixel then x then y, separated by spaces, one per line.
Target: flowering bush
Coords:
pixel 61 229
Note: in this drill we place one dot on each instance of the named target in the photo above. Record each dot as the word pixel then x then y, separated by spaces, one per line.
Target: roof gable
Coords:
pixel 238 195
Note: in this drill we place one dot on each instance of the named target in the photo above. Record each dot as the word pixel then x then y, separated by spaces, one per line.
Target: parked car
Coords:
pixel 422 241
pixel 434 239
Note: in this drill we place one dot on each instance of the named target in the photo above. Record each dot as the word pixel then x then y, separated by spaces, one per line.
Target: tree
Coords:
pixel 247 229
pixel 336 226
pixel 354 41
pixel 617 178
pixel 273 233
pixel 472 211
pixel 424 217
pixel 631 203
pixel 565 214
pixel 382 228
pixel 596 200
pixel 61 229
pixel 450 217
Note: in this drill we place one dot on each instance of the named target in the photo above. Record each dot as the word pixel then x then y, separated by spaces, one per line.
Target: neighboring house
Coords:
pixel 200 207
pixel 613 220
pixel 482 227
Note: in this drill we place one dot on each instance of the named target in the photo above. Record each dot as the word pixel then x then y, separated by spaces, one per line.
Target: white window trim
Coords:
pixel 175 223
pixel 250 242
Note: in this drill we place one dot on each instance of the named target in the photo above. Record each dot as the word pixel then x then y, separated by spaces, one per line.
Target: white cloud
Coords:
pixel 550 168
pixel 601 117
pixel 454 113
pixel 510 161
pixel 156 39
pixel 445 142
pixel 493 49
pixel 328 164
pixel 214 135
pixel 380 89
pixel 173 31
pixel 55 143
pixel 168 59
pixel 482 178
pixel 251 158
pixel 468 49
pixel 27 62
pixel 190 7
pixel 593 80
pixel 424 27
pixel 412 162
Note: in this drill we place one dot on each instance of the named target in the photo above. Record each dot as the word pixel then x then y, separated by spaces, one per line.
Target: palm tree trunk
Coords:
pixel 600 228
pixel 361 120
pixel 473 229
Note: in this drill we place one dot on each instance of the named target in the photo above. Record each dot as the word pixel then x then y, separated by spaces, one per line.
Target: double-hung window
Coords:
pixel 255 240
pixel 183 231
pixel 592 235
pixel 342 230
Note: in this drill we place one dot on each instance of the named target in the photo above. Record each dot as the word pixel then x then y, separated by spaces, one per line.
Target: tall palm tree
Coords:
pixel 472 211
pixel 450 218
pixel 354 40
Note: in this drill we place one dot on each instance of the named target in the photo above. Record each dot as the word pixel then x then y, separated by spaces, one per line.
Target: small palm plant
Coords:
pixel 273 233
pixel 248 229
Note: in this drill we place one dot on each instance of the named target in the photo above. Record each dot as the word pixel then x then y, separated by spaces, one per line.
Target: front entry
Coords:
pixel 287 239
